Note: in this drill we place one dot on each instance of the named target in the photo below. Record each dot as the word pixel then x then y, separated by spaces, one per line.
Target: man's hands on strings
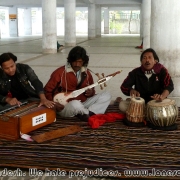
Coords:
pixel 89 92
pixel 59 107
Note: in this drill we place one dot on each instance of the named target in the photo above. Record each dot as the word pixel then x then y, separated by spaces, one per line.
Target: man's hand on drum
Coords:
pixel 157 97
pixel 134 93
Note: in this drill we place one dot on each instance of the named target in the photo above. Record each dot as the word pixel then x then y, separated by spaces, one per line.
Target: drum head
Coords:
pixel 165 102
pixel 138 99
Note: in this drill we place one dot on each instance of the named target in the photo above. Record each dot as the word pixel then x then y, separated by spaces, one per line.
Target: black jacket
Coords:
pixel 156 84
pixel 27 78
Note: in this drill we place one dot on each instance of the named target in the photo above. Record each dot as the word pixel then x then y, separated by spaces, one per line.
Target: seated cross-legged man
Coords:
pixel 73 76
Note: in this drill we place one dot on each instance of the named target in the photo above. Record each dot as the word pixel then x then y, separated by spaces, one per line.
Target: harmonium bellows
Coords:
pixel 23 119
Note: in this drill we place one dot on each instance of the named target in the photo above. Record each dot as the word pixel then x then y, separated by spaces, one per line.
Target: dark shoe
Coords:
pixel 83 117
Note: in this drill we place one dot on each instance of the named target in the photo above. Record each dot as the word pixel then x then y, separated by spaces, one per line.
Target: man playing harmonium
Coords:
pixel 18 82
pixel 151 80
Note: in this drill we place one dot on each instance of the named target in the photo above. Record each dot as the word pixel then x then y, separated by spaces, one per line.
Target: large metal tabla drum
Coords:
pixel 163 113
pixel 136 110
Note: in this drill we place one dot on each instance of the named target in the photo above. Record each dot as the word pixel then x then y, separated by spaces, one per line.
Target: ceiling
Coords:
pixel 128 4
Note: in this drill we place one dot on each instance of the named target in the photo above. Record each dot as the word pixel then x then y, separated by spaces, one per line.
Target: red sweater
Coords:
pixel 60 77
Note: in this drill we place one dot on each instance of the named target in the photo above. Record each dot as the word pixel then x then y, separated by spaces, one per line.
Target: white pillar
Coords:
pixel 91 21
pixel 27 21
pixel 0 29
pixel 70 22
pixel 106 21
pixel 141 23
pixel 49 37
pixel 165 38
pixel 98 21
pixel 146 8
pixel 38 24
pixel 13 22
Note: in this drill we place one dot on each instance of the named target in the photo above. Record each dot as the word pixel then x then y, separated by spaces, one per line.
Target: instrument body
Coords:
pixel 63 97
pixel 24 119
pixel 163 113
pixel 136 110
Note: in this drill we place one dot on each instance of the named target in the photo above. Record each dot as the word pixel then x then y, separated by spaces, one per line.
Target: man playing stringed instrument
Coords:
pixel 72 77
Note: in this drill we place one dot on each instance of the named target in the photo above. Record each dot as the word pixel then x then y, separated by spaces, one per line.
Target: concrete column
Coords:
pixel 106 21
pixel 38 29
pixel 27 21
pixel 165 38
pixel 146 8
pixel 70 22
pixel 98 21
pixel 91 21
pixel 49 34
pixel 0 29
pixel 13 22
pixel 141 23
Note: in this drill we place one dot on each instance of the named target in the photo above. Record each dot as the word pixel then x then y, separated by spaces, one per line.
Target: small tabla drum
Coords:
pixel 135 112
pixel 162 114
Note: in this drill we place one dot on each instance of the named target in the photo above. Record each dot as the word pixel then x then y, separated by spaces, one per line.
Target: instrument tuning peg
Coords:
pixel 105 85
pixel 99 77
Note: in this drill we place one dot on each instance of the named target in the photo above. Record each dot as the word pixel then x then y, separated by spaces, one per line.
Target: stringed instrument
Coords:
pixel 63 97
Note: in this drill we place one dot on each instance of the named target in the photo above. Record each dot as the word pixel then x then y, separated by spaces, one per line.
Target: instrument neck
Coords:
pixel 80 91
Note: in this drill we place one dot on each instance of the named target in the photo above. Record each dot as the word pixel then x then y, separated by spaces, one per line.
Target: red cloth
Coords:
pixel 99 119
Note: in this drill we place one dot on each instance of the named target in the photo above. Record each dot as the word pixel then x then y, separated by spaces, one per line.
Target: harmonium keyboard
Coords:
pixel 27 117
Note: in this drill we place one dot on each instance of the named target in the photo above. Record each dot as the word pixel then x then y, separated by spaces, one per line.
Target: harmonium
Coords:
pixel 27 117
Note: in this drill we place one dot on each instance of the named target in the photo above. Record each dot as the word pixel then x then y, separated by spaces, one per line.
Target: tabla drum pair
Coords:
pixel 159 115
pixel 162 115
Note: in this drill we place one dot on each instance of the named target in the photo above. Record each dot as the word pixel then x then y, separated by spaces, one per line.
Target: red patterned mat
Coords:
pixel 113 146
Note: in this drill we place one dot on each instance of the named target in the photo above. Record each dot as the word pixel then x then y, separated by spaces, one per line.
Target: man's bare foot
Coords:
pixel 118 99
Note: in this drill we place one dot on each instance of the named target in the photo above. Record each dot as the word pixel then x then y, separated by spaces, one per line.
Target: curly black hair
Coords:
pixel 6 57
pixel 77 53
pixel 152 51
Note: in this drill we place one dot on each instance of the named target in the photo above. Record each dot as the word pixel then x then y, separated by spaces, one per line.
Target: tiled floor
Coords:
pixel 108 54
